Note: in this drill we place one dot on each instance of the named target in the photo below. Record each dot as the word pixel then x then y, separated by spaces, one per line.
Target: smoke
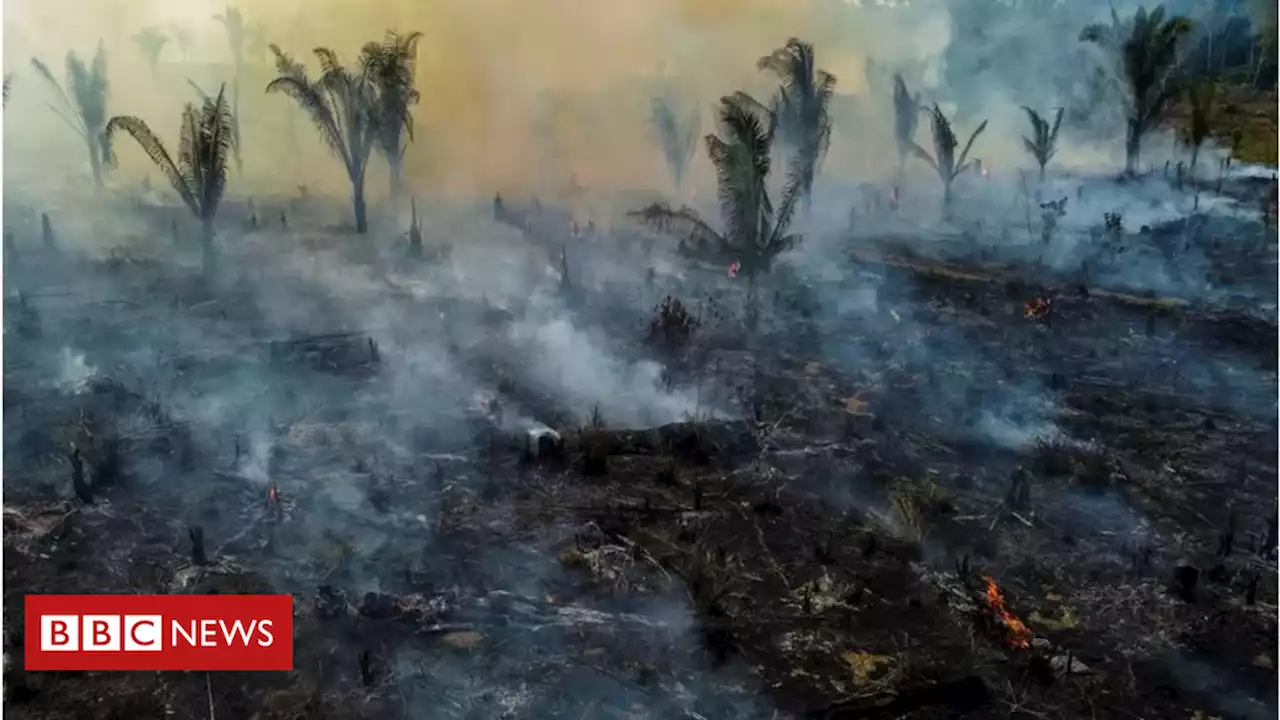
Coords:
pixel 552 99
pixel 74 372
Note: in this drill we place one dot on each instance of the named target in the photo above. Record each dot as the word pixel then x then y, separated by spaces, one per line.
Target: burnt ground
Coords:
pixel 825 557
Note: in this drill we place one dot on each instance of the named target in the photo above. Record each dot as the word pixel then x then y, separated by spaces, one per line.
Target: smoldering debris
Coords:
pixel 999 444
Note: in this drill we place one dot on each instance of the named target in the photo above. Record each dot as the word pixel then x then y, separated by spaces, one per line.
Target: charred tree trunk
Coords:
pixel 357 201
pixel 95 159
pixel 753 302
pixel 395 163
pixel 208 253
pixel 1132 148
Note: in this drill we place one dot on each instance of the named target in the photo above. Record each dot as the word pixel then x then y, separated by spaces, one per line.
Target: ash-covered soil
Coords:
pixel 936 483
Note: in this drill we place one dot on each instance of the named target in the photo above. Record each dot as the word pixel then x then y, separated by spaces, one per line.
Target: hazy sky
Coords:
pixel 484 64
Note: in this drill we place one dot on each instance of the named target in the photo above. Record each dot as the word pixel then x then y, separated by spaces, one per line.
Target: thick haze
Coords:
pixel 493 75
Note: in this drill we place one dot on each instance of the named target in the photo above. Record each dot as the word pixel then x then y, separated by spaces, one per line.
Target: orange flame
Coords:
pixel 1019 635
pixel 734 268
pixel 273 495
pixel 1036 309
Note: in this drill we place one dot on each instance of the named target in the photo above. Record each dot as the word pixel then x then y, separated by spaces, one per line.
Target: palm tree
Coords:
pixel 944 160
pixel 1043 143
pixel 235 122
pixel 755 231
pixel 803 101
pixel 232 21
pixel 1202 98
pixel 1148 47
pixel 906 113
pixel 151 42
pixel 343 105
pixel 199 174
pixel 391 66
pixel 679 138
pixel 182 38
pixel 84 108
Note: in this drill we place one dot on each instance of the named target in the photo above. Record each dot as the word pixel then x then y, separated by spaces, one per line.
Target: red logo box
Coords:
pixel 159 632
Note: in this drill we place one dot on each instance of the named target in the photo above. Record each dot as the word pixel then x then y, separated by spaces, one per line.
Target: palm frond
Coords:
pixel 961 164
pixel 906 110
pixel 391 66
pixel 155 150
pixel 924 155
pixel 294 83
pixel 678 137
pixel 682 221
pixel 1057 125
pixel 741 154
pixel 217 140
pixel 200 91
pixel 43 71
pixel 802 106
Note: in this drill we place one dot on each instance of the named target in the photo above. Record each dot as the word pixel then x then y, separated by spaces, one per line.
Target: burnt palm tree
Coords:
pixel 199 173
pixel 151 43
pixel 1202 99
pixel 1043 143
pixel 343 105
pixel 906 114
pixel 391 66
pixel 679 137
pixel 83 105
pixel 1148 53
pixel 803 101
pixel 944 160
pixel 755 230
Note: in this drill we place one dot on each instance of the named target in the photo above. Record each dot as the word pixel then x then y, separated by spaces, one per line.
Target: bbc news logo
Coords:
pixel 159 632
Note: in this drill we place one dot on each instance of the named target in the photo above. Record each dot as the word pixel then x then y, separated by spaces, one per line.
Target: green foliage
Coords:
pixel 391 66
pixel 1202 99
pixel 906 112
pixel 344 107
pixel 803 107
pixel 1147 49
pixel 83 104
pixel 199 173
pixel 755 232
pixel 944 160
pixel 1043 143
pixel 679 137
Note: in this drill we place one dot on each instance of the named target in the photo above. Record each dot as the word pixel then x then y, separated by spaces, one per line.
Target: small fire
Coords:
pixel 734 267
pixel 273 495
pixel 1019 635
pixel 1037 309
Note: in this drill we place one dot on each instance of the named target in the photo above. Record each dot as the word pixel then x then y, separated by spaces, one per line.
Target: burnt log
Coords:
pixel 690 441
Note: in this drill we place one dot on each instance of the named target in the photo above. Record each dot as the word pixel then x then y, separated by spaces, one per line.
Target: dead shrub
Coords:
pixel 672 329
